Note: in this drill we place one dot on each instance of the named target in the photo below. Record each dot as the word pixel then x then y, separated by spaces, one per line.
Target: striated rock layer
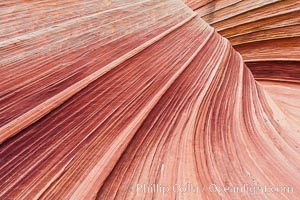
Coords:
pixel 265 32
pixel 125 99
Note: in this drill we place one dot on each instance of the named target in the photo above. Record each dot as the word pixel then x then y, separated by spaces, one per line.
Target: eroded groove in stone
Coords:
pixel 99 98
pixel 258 30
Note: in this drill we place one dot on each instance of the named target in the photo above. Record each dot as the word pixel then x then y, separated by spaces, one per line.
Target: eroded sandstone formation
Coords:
pixel 125 99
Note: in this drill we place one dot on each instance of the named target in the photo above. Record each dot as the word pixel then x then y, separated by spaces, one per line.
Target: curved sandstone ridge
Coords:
pixel 132 99
pixel 267 35
pixel 265 32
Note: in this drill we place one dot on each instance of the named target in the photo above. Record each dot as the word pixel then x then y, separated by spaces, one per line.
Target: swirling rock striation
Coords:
pixel 265 33
pixel 99 97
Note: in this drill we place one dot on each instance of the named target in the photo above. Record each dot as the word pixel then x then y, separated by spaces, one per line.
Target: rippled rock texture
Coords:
pixel 128 99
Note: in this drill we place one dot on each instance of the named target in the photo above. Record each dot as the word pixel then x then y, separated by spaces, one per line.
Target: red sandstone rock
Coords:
pixel 134 99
